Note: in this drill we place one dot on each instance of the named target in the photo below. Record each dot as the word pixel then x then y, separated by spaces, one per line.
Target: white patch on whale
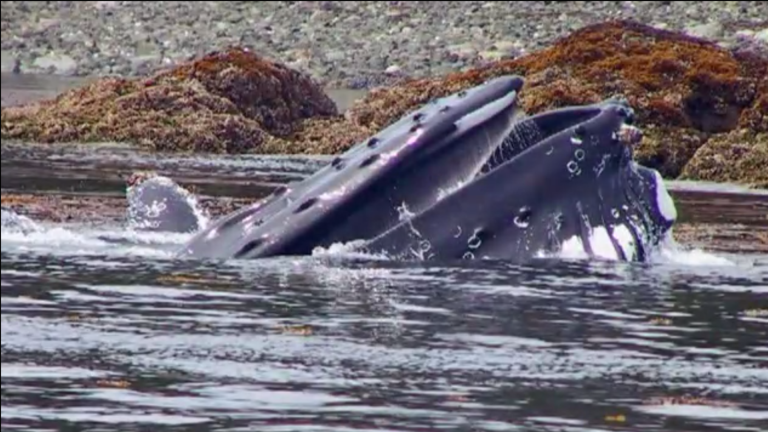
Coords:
pixel 601 244
pixel 623 237
pixel 664 201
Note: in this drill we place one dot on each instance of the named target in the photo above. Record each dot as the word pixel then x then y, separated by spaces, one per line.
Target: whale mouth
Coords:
pixel 528 131
pixel 618 203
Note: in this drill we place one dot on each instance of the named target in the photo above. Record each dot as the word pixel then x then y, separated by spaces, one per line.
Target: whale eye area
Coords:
pixel 373 142
pixel 248 247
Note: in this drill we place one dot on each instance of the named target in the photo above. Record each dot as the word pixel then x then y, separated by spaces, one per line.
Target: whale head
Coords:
pixel 364 191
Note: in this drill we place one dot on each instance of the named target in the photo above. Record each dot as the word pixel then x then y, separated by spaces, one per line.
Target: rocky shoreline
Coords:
pixel 702 107
pixel 341 44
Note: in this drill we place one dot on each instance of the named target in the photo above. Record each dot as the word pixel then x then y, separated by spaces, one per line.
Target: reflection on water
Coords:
pixel 101 330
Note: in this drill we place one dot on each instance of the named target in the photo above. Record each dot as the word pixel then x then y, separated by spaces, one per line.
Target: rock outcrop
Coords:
pixel 231 101
pixel 685 91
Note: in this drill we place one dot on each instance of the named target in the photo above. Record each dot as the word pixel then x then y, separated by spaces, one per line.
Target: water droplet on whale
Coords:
pixel 523 218
pixel 476 240
pixel 572 166
pixel 580 131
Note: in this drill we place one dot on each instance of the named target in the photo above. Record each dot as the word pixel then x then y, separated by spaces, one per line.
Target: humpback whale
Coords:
pixel 157 204
pixel 465 176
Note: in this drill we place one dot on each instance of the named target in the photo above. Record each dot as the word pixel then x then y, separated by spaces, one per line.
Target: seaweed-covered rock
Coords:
pixel 683 89
pixel 661 73
pixel 231 101
pixel 669 149
pixel 740 156
pixel 756 117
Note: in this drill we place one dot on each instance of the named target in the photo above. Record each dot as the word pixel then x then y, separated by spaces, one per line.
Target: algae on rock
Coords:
pixel 231 101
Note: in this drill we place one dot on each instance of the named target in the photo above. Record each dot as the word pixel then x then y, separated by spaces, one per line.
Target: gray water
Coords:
pixel 103 331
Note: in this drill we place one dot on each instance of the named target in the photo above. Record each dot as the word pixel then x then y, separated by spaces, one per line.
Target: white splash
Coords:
pixel 63 240
pixel 350 250
pixel 572 248
pixel 152 211
pixel 673 253
pixel 12 222
pixel 667 251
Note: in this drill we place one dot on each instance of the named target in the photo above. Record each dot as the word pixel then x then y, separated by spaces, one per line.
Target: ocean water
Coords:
pixel 102 330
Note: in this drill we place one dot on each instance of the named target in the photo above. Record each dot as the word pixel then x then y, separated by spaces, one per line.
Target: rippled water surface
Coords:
pixel 102 330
